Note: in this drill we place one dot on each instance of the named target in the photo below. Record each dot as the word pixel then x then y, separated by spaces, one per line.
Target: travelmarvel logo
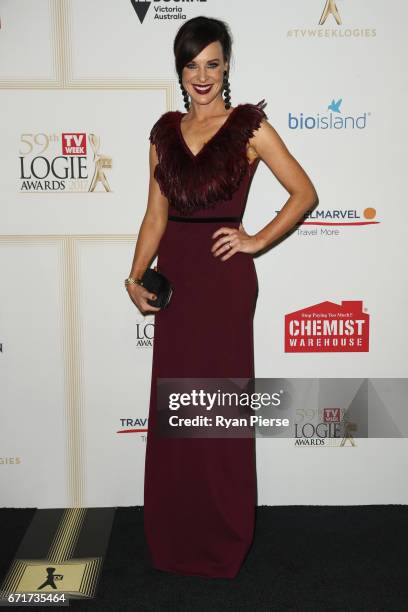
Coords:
pixel 328 327
pixel 133 425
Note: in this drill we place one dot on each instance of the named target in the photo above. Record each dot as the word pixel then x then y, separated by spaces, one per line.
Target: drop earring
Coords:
pixel 185 95
pixel 227 90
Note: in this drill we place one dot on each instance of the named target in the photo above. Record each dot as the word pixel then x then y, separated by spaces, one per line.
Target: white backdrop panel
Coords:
pixel 76 358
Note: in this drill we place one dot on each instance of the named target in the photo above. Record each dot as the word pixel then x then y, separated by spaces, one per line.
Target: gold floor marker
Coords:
pixel 78 538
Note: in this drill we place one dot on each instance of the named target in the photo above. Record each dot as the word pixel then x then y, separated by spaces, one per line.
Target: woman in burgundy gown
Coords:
pixel 200 493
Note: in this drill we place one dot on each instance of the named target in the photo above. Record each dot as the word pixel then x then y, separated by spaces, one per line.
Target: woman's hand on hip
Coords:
pixel 232 240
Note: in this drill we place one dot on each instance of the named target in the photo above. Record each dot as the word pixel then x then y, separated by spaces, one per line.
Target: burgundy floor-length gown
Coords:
pixel 200 493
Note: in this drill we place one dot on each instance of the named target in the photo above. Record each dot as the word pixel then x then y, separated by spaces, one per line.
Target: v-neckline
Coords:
pixel 220 129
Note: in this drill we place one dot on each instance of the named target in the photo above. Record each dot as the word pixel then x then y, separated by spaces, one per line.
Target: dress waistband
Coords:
pixel 202 219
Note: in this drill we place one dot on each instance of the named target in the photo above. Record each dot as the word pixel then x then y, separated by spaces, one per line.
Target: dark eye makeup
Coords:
pixel 211 65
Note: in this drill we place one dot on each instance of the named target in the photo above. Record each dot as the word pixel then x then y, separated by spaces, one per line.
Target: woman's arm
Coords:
pixel 269 146
pixel 150 233
pixel 272 150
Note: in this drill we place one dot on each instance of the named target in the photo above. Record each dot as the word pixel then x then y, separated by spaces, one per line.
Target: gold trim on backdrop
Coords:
pixel 57 43
pixel 62 52
pixel 23 574
pixel 72 356
pixel 71 352
pixel 73 373
pixel 60 17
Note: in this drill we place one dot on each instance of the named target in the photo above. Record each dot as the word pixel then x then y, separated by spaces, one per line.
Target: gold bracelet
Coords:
pixel 132 281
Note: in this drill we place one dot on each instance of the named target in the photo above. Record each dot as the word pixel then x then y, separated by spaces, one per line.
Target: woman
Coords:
pixel 200 494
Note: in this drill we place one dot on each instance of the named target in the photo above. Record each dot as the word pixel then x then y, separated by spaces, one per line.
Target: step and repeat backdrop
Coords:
pixel 82 82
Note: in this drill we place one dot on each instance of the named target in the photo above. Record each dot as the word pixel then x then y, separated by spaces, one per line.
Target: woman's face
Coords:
pixel 203 76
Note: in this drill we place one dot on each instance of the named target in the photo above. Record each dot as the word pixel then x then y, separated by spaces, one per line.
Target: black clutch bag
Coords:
pixel 159 284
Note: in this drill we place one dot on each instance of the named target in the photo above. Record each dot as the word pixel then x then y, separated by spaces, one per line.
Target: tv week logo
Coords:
pixel 328 327
pixel 73 143
pixel 332 415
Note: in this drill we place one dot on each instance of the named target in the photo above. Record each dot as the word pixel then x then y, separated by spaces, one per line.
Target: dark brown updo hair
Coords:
pixel 195 35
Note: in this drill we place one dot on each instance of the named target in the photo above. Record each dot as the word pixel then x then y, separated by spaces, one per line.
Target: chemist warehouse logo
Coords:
pixel 328 327
pixel 67 162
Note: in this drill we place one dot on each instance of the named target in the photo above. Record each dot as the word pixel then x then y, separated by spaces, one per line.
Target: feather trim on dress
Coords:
pixel 192 182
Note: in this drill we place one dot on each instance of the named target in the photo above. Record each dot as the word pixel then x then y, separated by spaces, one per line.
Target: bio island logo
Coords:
pixel 334 120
